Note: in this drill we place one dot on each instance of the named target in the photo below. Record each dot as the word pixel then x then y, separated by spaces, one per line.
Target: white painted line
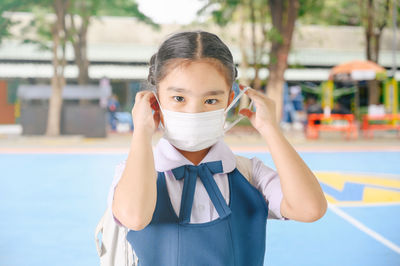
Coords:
pixel 365 229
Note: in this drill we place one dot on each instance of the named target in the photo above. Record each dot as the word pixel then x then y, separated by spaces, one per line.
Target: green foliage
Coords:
pixel 41 27
pixel 221 11
pixel 85 9
pixel 5 21
pixel 330 12
pixel 326 12
pixel 274 35
pixel 310 7
pixel 124 8
pixel 5 25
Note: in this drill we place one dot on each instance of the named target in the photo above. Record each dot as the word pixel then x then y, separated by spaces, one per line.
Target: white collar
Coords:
pixel 167 157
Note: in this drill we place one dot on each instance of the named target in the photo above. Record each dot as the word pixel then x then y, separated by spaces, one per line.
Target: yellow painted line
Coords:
pixel 378 189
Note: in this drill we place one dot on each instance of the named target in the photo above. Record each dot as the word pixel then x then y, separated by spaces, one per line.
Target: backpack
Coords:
pixel 114 249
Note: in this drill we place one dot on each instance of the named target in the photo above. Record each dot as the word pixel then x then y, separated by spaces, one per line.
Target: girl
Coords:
pixel 186 202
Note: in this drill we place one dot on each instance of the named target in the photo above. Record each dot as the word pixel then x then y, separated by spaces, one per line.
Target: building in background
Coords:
pixel 119 49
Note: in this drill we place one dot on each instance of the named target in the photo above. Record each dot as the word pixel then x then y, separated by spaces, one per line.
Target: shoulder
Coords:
pixel 254 170
pixel 244 166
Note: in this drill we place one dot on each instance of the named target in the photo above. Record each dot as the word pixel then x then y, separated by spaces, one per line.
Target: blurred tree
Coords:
pixel 252 14
pixel 332 12
pixel 80 14
pixel 272 20
pixel 284 14
pixel 6 8
pixel 59 32
pixel 55 31
pixel 374 17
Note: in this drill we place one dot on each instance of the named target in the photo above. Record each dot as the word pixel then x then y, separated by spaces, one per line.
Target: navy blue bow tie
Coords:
pixel 205 171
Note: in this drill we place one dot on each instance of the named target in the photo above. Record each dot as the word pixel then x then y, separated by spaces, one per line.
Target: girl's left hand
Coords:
pixel 264 116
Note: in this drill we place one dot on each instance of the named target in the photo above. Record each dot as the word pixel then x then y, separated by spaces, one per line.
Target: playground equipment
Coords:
pixel 344 123
pixel 355 71
pixel 391 96
pixel 351 73
pixel 327 121
pixel 388 120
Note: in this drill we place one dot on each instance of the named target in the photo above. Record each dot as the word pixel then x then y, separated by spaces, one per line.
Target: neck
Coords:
pixel 194 156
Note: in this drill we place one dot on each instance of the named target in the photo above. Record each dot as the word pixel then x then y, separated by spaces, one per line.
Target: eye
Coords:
pixel 211 101
pixel 178 98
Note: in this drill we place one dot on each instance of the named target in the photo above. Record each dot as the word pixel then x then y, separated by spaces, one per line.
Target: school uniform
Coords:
pixel 222 220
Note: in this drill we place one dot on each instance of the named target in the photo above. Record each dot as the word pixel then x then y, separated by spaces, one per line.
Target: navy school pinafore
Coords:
pixel 236 238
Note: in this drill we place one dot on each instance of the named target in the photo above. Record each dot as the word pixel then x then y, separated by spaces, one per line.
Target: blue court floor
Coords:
pixel 51 203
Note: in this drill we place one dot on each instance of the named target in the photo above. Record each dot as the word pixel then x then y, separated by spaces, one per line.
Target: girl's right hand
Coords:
pixel 142 113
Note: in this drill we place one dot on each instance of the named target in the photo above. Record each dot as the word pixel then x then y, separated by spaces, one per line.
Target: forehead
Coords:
pixel 194 77
pixel 205 92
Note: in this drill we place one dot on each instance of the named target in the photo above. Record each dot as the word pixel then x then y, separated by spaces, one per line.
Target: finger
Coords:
pixel 246 112
pixel 144 94
pixel 147 95
pixel 140 95
pixel 253 94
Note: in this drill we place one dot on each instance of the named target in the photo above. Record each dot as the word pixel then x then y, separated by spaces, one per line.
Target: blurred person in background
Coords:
pixel 113 107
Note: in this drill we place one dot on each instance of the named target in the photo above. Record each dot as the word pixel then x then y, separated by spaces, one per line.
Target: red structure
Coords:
pixel 335 122
pixel 380 122
pixel 7 114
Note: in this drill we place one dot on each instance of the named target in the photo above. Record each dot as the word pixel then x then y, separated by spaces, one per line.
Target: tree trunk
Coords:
pixel 373 88
pixel 373 92
pixel 284 15
pixel 79 43
pixel 59 34
pixel 55 106
pixel 255 47
pixel 83 78
pixel 82 62
pixel 244 63
pixel 369 30
pixel 373 33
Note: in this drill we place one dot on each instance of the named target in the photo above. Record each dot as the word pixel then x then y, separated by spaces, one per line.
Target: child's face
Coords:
pixel 194 88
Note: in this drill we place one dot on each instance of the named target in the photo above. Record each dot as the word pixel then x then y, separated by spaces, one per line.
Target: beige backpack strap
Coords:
pixel 113 248
pixel 245 167
pixel 99 229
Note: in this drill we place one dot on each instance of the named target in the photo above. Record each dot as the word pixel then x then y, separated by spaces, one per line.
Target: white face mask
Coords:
pixel 197 131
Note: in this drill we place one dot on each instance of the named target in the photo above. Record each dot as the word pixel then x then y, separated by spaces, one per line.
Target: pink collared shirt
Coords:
pixel 166 157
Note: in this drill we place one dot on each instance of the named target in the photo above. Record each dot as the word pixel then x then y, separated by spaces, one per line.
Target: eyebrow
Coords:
pixel 208 93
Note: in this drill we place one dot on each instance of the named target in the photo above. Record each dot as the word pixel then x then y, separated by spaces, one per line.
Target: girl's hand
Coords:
pixel 142 113
pixel 264 116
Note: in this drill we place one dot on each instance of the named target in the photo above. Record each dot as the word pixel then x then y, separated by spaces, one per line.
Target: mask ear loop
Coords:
pixel 159 105
pixel 235 100
pixel 231 125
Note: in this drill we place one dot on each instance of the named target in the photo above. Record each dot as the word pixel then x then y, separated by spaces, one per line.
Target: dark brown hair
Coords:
pixel 188 47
